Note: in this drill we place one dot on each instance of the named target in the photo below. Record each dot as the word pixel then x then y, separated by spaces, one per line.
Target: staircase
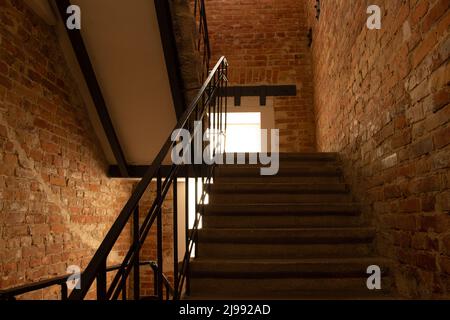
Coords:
pixel 296 235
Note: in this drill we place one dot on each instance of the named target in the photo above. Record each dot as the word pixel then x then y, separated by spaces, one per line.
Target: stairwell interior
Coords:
pixel 296 235
pixel 364 153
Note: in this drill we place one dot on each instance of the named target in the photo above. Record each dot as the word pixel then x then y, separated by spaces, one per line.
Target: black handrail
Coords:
pixel 206 107
pixel 10 294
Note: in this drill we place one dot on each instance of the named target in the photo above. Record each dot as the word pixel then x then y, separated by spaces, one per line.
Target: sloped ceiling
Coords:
pixel 124 45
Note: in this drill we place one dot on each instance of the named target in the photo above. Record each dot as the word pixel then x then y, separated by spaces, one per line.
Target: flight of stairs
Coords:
pixel 296 235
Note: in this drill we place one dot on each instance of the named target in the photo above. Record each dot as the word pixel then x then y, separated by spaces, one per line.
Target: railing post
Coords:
pixel 186 232
pixel 124 288
pixel 101 281
pixel 175 238
pixel 196 209
pixel 159 235
pixel 64 292
pixel 155 279
pixel 226 108
pixel 136 267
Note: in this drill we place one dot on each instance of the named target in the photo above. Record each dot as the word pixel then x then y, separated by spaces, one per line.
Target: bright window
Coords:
pixel 243 132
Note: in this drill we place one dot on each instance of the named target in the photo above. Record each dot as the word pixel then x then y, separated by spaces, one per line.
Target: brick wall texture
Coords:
pixel 382 101
pixel 56 202
pixel 265 42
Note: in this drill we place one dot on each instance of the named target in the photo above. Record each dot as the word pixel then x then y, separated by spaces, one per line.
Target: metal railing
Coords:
pixel 210 108
pixel 61 281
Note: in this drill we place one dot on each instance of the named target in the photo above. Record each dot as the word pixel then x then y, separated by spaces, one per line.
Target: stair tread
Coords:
pixel 298 231
pixel 279 267
pixel 273 288
pixel 282 208
pixel 308 254
pixel 330 260
pixel 292 165
pixel 277 187
pixel 293 169
pixel 293 184
pixel 285 235
pixel 306 156
pixel 325 295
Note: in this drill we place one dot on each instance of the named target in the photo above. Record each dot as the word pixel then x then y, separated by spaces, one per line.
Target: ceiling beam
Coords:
pixel 171 55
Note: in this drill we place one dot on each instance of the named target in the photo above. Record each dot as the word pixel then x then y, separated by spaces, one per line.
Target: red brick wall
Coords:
pixel 265 42
pixel 382 100
pixel 56 202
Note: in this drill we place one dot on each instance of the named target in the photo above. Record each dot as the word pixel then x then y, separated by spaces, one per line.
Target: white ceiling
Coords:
pixel 124 45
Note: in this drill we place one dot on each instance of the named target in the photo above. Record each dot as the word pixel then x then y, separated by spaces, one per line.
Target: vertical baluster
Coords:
pixel 64 292
pixel 219 85
pixel 159 235
pixel 167 293
pixel 136 266
pixel 155 281
pixel 124 288
pixel 195 205
pixel 226 103
pixel 186 228
pixel 175 237
pixel 101 282
pixel 217 102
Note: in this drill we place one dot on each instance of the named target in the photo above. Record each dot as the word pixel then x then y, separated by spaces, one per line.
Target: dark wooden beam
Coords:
pixel 258 91
pixel 94 87
pixel 171 55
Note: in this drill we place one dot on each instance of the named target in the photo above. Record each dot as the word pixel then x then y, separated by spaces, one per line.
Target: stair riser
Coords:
pixel 289 286
pixel 299 157
pixel 281 221
pixel 277 210
pixel 249 269
pixel 282 251
pixel 277 179
pixel 295 234
pixel 252 172
pixel 264 188
pixel 235 198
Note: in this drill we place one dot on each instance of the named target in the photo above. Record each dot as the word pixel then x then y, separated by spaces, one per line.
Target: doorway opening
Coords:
pixel 243 132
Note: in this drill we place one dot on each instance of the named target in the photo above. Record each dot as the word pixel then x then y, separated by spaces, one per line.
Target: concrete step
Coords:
pixel 254 198
pixel 285 209
pixel 282 216
pixel 351 295
pixel 277 187
pixel 288 268
pixel 287 236
pixel 282 221
pixel 282 251
pixel 284 170
pixel 284 243
pixel 271 288
pixel 279 179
